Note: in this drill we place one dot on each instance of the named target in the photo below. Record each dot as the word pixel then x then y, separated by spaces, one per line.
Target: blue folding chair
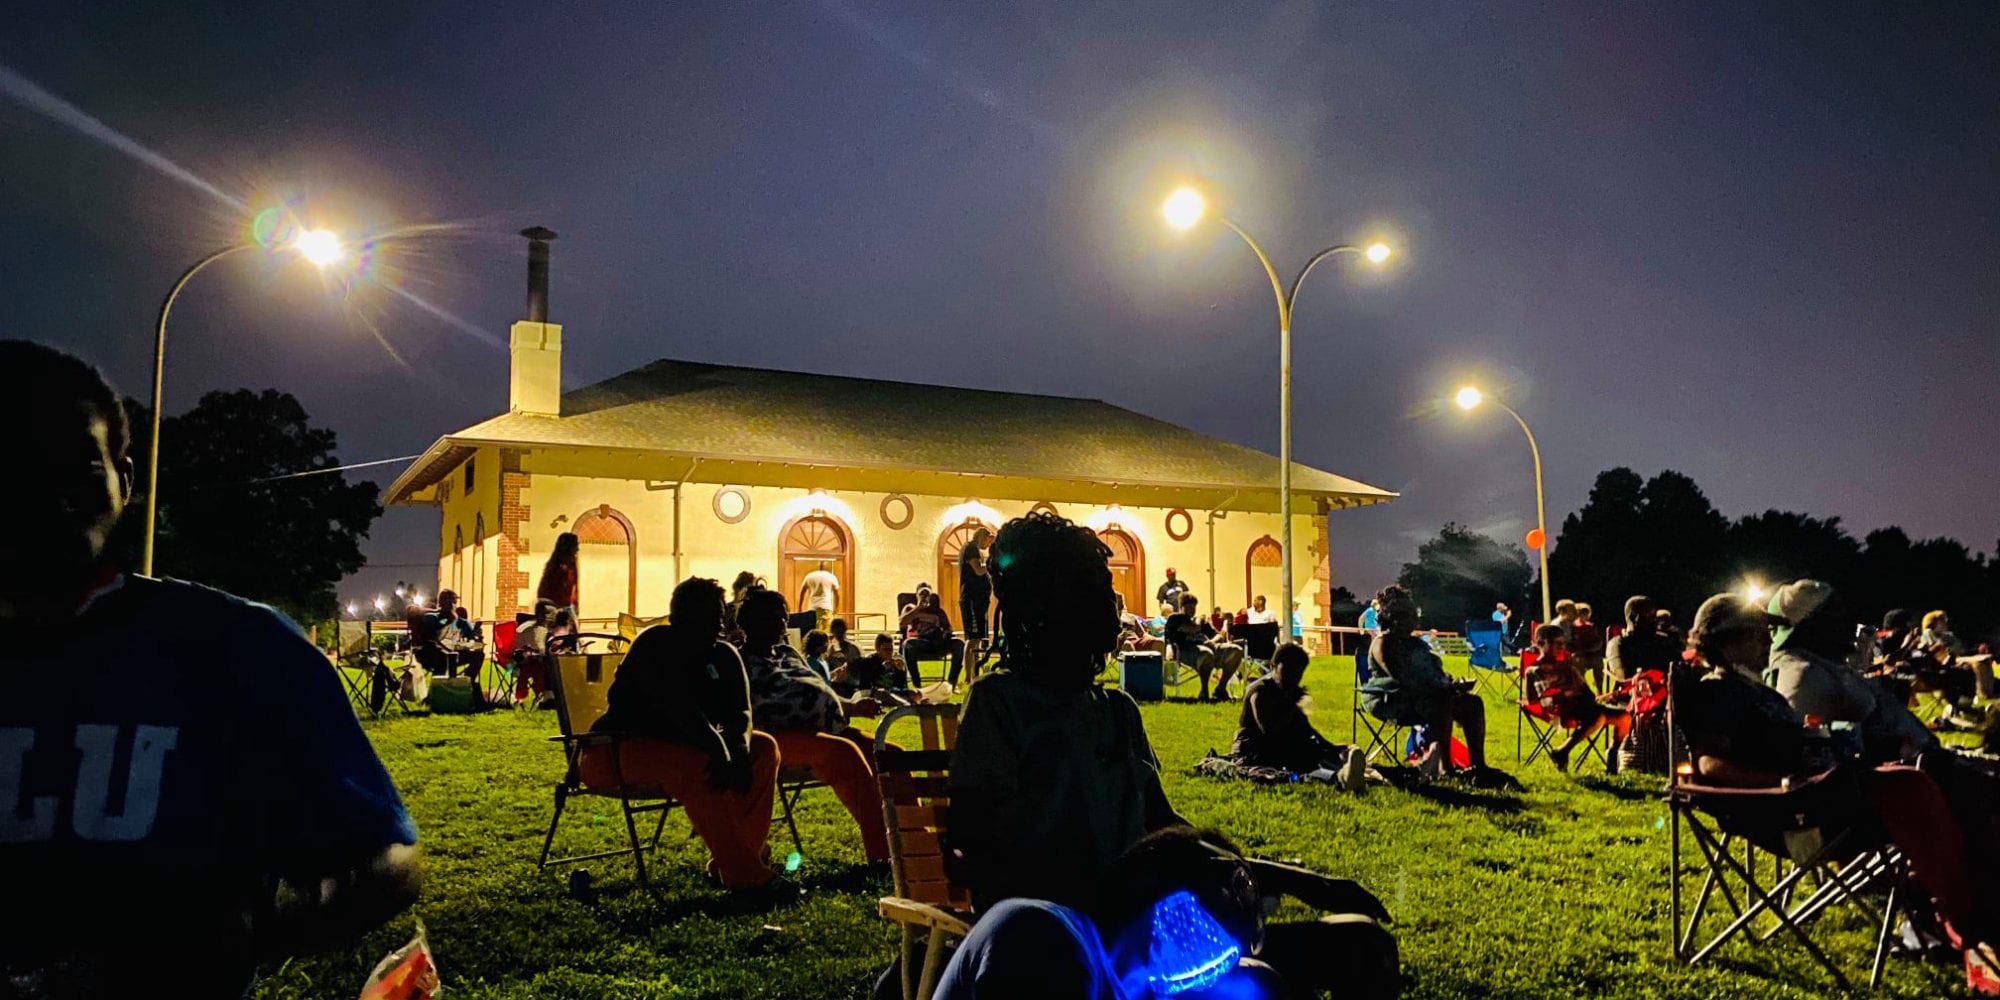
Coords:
pixel 1489 663
pixel 1383 736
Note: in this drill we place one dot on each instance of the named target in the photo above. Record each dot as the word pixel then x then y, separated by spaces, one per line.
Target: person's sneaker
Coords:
pixel 1560 758
pixel 1353 773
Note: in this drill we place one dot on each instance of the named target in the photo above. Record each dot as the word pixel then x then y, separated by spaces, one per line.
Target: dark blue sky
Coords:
pixel 1755 244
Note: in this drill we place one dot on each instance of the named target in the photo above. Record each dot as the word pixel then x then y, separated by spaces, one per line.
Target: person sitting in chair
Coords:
pixel 1053 778
pixel 1408 686
pixel 809 718
pixel 444 642
pixel 1809 667
pixel 1557 686
pixel 1259 612
pixel 927 632
pixel 681 702
pixel 1133 634
pixel 839 649
pixel 1202 650
pixel 1643 646
pixel 1273 730
pixel 881 674
pixel 1742 734
pixel 530 654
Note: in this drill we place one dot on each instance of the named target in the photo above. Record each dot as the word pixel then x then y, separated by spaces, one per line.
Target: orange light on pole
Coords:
pixel 1536 537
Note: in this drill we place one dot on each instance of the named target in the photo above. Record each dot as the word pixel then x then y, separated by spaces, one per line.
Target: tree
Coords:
pixel 1661 538
pixel 1461 574
pixel 1596 556
pixel 1782 545
pixel 228 521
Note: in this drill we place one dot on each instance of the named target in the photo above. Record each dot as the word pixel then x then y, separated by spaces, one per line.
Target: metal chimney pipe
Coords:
pixel 538 272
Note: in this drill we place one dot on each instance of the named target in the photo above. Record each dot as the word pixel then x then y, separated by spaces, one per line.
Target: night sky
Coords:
pixel 1757 246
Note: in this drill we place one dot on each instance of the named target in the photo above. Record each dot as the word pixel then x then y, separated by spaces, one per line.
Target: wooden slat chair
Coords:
pixel 916 807
pixel 582 685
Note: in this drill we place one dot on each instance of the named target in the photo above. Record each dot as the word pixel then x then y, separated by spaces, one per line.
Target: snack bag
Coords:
pixel 405 974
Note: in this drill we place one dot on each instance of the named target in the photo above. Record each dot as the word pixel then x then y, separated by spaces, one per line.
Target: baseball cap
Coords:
pixel 1795 602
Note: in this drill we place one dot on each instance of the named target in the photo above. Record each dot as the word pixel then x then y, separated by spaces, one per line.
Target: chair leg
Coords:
pixel 907 970
pixel 787 801
pixel 661 827
pixel 562 796
pixel 632 835
pixel 1889 909
pixel 933 962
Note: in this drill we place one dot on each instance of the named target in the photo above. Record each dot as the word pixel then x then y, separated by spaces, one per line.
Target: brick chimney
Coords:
pixel 535 383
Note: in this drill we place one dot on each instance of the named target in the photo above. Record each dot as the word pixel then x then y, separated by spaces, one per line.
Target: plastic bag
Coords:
pixel 408 973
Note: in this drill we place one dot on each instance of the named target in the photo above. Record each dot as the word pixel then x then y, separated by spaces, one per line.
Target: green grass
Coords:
pixel 1561 891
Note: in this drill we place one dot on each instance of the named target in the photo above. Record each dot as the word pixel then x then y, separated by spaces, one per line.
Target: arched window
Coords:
pixel 1263 571
pixel 607 563
pixel 804 544
pixel 1128 569
pixel 458 560
pixel 476 601
pixel 950 544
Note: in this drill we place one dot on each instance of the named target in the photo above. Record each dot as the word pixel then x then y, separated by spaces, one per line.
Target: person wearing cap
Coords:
pixel 1169 594
pixel 1742 734
pixel 1808 666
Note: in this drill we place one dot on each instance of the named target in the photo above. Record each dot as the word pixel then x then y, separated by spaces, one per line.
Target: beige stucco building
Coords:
pixel 679 468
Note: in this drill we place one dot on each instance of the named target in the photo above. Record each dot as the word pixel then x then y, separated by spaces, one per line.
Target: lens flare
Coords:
pixel 1184 208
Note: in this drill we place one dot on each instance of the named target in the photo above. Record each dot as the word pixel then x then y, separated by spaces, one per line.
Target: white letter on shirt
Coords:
pixel 41 821
pixel 142 784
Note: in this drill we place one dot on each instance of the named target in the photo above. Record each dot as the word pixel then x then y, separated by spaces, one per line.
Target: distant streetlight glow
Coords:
pixel 1469 397
pixel 1184 208
pixel 353 609
pixel 1754 590
pixel 380 603
pixel 1377 253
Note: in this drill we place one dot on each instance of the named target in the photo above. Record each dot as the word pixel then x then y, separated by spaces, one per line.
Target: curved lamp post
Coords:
pixel 1184 209
pixel 317 246
pixel 1469 399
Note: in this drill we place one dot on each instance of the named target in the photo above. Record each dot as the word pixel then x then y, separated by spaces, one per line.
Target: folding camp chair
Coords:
pixel 1545 726
pixel 1383 736
pixel 1810 827
pixel 915 805
pixel 582 684
pixel 371 686
pixel 1260 644
pixel 1489 663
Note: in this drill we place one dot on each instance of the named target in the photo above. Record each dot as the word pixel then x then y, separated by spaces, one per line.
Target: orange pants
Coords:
pixel 841 762
pixel 736 826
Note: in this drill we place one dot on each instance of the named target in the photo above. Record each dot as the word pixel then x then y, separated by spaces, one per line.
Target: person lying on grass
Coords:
pixel 809 718
pixel 1053 778
pixel 1742 734
pixel 187 790
pixel 681 702
pixel 1177 915
pixel 1409 687
pixel 1273 730
pixel 1556 684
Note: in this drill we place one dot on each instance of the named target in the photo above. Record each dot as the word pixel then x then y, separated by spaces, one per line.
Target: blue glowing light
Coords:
pixel 792 861
pixel 1190 950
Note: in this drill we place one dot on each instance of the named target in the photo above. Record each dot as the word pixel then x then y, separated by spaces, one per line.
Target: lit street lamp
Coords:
pixel 317 246
pixel 1184 209
pixel 1469 398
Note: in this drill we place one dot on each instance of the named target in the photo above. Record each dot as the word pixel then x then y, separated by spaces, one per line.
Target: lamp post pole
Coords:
pixel 159 379
pixel 1541 517
pixel 1286 297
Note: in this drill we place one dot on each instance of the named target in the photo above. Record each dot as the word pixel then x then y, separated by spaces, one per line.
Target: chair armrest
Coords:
pixel 909 911
pixel 1799 786
pixel 581 740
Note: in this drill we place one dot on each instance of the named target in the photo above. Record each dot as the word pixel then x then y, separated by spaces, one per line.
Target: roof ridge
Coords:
pixel 835 376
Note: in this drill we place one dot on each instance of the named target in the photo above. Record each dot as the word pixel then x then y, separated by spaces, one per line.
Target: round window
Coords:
pixel 898 511
pixel 732 504
pixel 1180 524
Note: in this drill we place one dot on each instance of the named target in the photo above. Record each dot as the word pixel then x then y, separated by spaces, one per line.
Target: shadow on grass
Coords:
pixel 1452 793
pixel 1620 789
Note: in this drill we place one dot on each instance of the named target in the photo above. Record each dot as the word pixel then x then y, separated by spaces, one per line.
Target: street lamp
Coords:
pixel 1469 399
pixel 317 246
pixel 1184 209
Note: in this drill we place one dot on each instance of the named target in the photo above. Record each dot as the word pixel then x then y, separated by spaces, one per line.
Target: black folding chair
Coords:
pixel 1383 736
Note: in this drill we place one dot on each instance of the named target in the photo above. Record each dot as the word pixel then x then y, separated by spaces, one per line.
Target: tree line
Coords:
pixel 1663 538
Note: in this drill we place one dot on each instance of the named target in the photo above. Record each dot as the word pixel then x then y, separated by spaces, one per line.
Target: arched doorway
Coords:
pixel 1128 569
pixel 950 544
pixel 1263 571
pixel 805 543
pixel 607 564
pixel 476 600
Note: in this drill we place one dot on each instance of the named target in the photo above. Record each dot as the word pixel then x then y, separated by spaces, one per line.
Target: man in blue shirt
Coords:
pixel 184 789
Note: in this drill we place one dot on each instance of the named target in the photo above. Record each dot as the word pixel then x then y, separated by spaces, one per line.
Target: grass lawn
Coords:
pixel 1559 892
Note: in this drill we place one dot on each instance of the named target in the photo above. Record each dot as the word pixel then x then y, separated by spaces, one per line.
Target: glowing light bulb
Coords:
pixel 1377 252
pixel 1468 398
pixel 1184 208
pixel 320 246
